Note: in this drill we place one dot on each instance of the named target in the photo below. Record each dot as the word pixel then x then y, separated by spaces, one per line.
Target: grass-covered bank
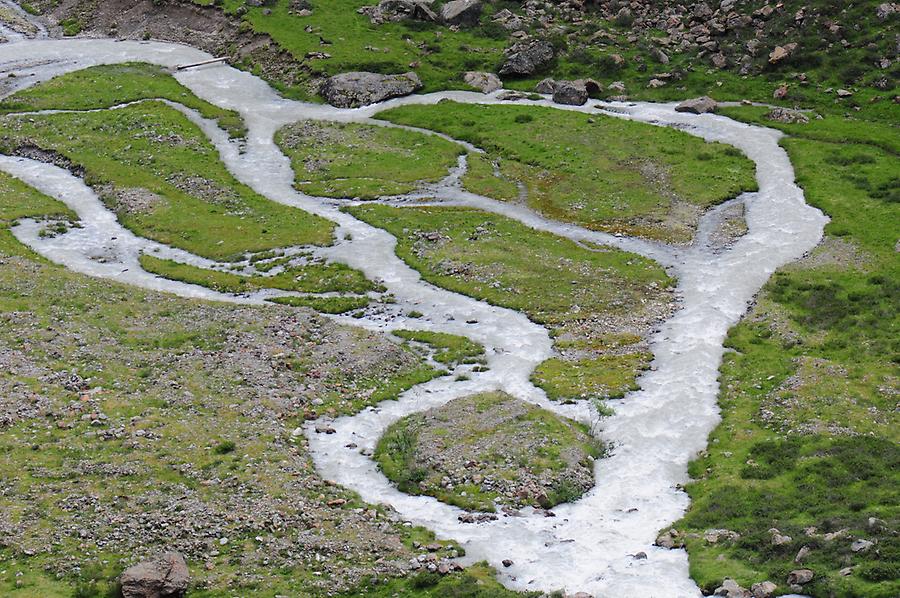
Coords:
pixel 489 451
pixel 596 303
pixel 808 441
pixel 163 179
pixel 106 86
pixel 602 172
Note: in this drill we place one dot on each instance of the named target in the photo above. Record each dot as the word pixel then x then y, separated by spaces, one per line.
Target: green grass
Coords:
pixel 315 277
pixel 554 281
pixel 512 434
pixel 480 178
pixel 810 430
pixel 605 377
pixel 363 161
pixel 154 150
pixel 106 86
pixel 449 349
pixel 325 305
pixel 599 171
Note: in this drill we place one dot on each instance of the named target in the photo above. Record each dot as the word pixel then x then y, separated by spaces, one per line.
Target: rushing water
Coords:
pixel 588 545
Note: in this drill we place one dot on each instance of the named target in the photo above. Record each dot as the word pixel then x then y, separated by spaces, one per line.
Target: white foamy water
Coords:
pixel 656 431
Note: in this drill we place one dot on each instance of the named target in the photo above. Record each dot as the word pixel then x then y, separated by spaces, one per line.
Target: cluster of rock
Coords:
pixel 573 93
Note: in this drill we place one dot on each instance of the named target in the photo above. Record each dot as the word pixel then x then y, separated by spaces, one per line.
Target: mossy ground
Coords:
pixel 594 302
pixel 809 430
pixel 363 161
pixel 599 171
pixel 489 450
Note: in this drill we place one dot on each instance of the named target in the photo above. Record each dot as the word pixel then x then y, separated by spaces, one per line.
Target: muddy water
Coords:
pixel 589 545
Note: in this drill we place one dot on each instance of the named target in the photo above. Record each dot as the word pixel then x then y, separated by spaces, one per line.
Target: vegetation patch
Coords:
pixel 595 302
pixel 808 442
pixel 363 161
pixel 488 451
pixel 314 277
pixel 605 377
pixel 598 171
pixel 448 349
pixel 163 179
pixel 106 86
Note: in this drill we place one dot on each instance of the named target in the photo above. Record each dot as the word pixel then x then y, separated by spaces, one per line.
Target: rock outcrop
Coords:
pixel 351 90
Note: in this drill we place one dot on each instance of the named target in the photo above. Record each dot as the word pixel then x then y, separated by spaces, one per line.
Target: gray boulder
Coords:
pixel 400 10
pixel 486 82
pixel 700 105
pixel 164 577
pixel 351 90
pixel 572 93
pixel 461 12
pixel 547 86
pixel 763 589
pixel 527 58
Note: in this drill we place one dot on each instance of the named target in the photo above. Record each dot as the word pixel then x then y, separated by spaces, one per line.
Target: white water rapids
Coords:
pixel 588 545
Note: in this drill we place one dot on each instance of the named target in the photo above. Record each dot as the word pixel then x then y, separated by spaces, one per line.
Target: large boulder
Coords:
pixel 700 105
pixel 486 82
pixel 163 577
pixel 351 90
pixel 527 58
pixel 572 93
pixel 461 12
pixel 546 86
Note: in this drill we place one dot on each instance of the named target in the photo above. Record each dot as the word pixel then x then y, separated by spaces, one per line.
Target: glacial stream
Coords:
pixel 589 545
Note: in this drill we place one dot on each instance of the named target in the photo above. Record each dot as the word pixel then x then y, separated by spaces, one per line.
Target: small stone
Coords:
pixel 802 554
pixel 731 589
pixel 507 563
